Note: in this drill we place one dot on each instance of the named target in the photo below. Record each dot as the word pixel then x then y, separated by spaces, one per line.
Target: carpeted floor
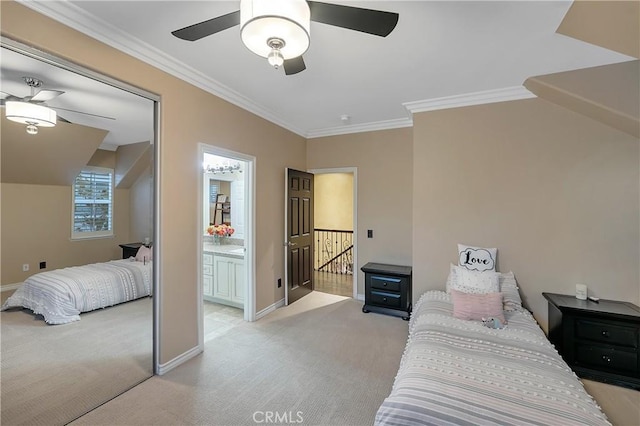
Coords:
pixel 317 361
pixel 87 362
pixel 320 361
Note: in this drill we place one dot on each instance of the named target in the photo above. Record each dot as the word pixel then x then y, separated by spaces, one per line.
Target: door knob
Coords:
pixel 290 244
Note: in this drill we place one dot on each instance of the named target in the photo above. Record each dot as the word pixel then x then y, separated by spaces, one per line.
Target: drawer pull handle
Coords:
pixel 384 299
pixel 606 358
pixel 384 284
pixel 605 333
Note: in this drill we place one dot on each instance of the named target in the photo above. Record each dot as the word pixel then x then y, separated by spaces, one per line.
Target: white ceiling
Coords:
pixel 132 114
pixel 441 54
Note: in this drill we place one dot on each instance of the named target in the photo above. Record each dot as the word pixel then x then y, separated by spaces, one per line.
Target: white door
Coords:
pixel 237 207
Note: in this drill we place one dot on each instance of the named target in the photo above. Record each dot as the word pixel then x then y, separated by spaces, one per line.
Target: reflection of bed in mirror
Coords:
pixel 54 374
pixel 61 295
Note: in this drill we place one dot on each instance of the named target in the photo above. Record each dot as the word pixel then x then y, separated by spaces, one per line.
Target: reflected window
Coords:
pixel 93 203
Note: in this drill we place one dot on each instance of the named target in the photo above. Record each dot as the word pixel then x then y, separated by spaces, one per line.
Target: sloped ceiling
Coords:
pixel 131 161
pixel 610 24
pixel 54 156
pixel 609 93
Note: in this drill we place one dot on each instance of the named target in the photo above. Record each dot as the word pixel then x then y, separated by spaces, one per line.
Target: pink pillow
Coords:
pixel 477 307
pixel 144 254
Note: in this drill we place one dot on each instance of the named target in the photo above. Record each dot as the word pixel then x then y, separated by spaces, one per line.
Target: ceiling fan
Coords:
pixel 279 30
pixel 32 111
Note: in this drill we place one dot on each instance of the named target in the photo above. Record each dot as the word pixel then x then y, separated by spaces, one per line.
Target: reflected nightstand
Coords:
pixel 130 249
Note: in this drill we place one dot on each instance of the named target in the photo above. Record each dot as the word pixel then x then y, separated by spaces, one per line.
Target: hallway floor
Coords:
pixel 338 284
pixel 219 319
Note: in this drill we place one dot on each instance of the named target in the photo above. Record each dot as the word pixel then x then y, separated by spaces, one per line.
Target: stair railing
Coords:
pixel 334 251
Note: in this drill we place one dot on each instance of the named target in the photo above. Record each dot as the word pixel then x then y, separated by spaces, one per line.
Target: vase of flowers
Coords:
pixel 220 233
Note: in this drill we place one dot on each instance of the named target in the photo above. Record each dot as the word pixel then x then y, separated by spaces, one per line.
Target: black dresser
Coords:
pixel 387 289
pixel 599 341
pixel 130 249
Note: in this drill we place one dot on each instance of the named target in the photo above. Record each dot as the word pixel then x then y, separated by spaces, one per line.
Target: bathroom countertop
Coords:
pixel 229 250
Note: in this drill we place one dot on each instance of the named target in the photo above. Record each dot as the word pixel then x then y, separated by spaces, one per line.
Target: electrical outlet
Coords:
pixel 279 282
pixel 43 265
pixel 25 267
pixel 369 233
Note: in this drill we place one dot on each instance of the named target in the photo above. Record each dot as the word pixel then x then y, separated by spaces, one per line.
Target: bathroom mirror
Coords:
pixel 53 374
pixel 224 188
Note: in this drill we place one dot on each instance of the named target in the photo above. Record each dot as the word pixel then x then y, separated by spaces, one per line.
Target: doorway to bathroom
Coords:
pixel 226 232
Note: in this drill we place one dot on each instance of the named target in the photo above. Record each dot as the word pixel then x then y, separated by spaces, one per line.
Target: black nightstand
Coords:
pixel 387 289
pixel 599 341
pixel 130 249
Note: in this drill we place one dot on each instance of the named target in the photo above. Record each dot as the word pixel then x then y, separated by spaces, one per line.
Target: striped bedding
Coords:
pixel 456 372
pixel 61 295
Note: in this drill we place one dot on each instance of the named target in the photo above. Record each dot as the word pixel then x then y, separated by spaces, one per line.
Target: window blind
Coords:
pixel 93 203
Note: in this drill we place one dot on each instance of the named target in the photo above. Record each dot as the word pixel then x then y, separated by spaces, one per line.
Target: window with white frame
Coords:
pixel 92 203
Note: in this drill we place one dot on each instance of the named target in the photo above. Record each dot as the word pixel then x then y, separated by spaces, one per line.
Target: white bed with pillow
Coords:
pixel 61 295
pixel 457 370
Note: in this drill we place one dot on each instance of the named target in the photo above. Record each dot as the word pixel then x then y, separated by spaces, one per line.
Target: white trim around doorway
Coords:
pixel 249 235
pixel 354 171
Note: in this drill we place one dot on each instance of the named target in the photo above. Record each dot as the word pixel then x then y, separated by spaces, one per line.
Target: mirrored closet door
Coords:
pixel 78 179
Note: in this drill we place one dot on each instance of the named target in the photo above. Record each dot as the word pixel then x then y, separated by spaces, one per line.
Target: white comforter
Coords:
pixel 457 372
pixel 61 295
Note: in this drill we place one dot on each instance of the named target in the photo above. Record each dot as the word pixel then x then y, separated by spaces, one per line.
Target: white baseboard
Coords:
pixel 180 359
pixel 10 287
pixel 360 297
pixel 269 309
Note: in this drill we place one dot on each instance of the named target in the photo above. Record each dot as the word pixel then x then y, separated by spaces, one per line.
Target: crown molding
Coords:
pixel 469 99
pixel 359 128
pixel 77 18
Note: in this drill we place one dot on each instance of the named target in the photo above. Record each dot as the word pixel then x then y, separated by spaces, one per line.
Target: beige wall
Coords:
pixel 384 184
pixel 189 116
pixel 54 156
pixel 36 224
pixel 557 193
pixel 610 24
pixel 141 204
pixel 35 232
pixel 225 188
pixel 36 227
pixel 333 201
pixel 103 158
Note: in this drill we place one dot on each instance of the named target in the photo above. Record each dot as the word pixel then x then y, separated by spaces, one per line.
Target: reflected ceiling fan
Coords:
pixel 279 30
pixel 32 111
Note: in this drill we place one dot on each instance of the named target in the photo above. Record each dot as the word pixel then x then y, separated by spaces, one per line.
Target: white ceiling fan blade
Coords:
pixel 9 97
pixel 80 112
pixel 46 95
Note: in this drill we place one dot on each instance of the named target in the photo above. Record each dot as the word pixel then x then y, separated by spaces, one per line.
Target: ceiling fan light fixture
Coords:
pixel 30 114
pixel 275 57
pixel 285 20
pixel 32 129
